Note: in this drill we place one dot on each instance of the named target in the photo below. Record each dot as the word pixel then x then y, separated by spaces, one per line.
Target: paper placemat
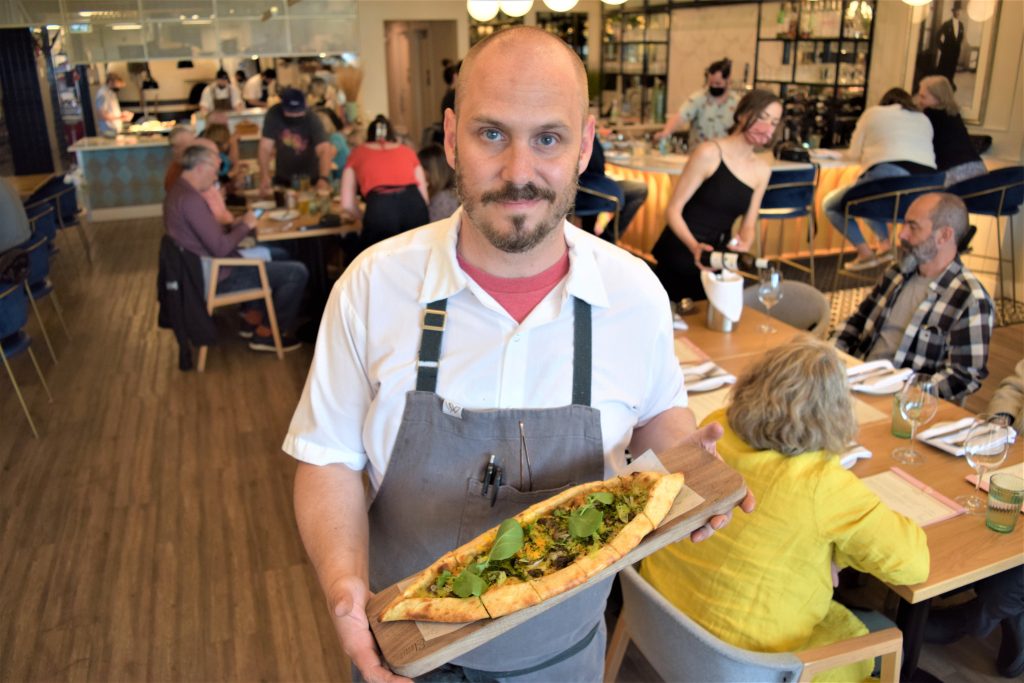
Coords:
pixel 866 413
pixel 706 403
pixel 911 497
pixel 688 352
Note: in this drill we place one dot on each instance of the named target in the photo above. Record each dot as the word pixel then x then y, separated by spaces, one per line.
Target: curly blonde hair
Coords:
pixel 794 400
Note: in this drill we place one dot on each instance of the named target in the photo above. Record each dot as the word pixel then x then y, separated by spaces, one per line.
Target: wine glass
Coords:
pixel 769 292
pixel 984 448
pixel 918 401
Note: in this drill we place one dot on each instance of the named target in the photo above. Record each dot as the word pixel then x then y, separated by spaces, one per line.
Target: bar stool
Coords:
pixel 599 205
pixel 790 194
pixel 885 199
pixel 997 194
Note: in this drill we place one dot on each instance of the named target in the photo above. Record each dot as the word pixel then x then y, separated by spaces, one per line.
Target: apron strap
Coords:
pixel 434 317
pixel 582 353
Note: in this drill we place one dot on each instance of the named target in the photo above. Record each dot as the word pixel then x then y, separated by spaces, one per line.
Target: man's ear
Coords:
pixel 449 136
pixel 587 143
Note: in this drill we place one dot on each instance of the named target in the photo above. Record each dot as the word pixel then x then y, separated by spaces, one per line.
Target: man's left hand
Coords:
pixel 322 184
pixel 706 437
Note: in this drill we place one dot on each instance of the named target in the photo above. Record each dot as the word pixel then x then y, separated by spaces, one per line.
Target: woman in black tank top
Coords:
pixel 709 197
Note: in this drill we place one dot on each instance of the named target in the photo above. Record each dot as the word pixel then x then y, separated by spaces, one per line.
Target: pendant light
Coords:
pixel 916 3
pixel 613 2
pixel 560 5
pixel 516 8
pixel 482 10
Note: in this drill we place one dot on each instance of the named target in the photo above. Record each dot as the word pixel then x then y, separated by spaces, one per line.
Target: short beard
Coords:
pixel 521 238
pixel 925 252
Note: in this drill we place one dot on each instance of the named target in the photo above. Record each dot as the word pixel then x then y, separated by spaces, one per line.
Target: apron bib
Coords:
pixel 222 103
pixel 431 498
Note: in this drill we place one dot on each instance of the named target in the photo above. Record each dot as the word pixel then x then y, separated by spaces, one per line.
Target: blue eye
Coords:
pixel 491 134
pixel 547 140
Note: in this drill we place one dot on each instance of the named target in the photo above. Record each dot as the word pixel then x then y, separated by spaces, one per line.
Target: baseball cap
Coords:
pixel 293 101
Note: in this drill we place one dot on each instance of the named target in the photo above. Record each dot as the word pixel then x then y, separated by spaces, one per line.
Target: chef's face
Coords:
pixel 519 142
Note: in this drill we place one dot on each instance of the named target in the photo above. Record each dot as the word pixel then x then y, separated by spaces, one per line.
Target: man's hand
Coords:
pixel 347 598
pixel 706 437
pixel 265 186
pixel 249 218
pixel 322 184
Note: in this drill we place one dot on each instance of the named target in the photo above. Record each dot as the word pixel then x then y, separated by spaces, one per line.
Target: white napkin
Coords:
pixel 854 453
pixel 696 380
pixel 725 292
pixel 878 384
pixel 946 429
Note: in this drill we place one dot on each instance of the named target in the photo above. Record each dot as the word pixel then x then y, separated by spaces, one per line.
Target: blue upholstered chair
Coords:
pixel 885 199
pixel 65 202
pixel 998 194
pixel 14 341
pixel 39 286
pixel 680 649
pixel 790 194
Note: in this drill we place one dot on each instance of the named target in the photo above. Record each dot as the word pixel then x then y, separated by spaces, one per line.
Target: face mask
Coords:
pixel 716 92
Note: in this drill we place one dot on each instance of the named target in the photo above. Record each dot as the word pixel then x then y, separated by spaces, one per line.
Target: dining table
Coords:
pixel 303 235
pixel 962 549
pixel 28 185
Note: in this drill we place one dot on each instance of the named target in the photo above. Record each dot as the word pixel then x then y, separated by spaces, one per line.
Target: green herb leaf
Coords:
pixel 468 583
pixel 442 579
pixel 508 541
pixel 602 497
pixel 584 521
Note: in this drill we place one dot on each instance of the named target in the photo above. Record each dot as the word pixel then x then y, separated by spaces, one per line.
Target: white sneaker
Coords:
pixel 859 264
pixel 883 257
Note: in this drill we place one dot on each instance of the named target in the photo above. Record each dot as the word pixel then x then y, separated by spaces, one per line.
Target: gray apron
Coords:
pixel 431 501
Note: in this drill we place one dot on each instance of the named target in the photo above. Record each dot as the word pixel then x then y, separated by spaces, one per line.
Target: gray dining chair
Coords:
pixel 802 306
pixel 679 649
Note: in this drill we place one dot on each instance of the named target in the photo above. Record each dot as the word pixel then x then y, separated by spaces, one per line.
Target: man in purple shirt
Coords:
pixel 190 223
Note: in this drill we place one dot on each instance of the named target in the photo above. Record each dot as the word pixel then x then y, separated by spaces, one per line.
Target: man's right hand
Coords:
pixel 347 598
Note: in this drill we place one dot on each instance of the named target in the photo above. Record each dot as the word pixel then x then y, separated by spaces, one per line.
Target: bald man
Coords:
pixel 930 312
pixel 486 333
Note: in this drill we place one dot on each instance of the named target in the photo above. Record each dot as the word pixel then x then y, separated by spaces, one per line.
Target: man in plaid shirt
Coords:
pixel 928 313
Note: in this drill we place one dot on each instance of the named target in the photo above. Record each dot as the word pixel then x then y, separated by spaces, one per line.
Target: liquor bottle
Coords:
pixel 732 260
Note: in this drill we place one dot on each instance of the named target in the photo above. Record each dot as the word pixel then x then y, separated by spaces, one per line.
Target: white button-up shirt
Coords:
pixel 367 350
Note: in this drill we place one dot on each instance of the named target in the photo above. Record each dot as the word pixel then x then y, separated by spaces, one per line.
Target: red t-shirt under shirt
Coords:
pixel 519 295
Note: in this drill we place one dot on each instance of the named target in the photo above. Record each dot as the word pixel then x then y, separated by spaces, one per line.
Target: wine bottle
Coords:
pixel 732 260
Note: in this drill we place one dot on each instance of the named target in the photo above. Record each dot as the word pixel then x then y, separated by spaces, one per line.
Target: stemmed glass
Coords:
pixel 769 291
pixel 984 448
pixel 918 401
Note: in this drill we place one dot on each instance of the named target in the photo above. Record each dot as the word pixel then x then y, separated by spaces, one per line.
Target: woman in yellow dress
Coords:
pixel 764 582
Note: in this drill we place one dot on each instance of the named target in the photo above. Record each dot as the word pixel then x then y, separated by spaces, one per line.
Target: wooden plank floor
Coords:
pixel 148 534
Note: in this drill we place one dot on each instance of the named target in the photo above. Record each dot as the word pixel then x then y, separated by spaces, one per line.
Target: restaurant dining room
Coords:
pixel 266 263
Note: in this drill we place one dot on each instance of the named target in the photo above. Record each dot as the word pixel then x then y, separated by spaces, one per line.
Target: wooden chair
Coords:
pixel 215 300
pixel 679 649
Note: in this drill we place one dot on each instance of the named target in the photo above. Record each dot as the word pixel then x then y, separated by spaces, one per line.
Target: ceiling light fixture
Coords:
pixel 613 2
pixel 560 5
pixel 482 10
pixel 125 27
pixel 981 10
pixel 516 8
pixel 916 3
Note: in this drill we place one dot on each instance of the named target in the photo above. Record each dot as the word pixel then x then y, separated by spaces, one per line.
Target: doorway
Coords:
pixel 414 52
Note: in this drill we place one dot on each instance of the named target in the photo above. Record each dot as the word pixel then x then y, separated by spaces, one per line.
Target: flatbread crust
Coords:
pixel 513 594
pixel 448 610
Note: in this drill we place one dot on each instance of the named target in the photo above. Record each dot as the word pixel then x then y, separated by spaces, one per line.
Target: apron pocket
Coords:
pixel 478 515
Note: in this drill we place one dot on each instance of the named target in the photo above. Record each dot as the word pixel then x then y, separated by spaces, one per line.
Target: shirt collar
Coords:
pixel 444 277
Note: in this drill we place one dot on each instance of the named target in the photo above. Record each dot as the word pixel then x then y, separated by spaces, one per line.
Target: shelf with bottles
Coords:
pixel 816 19
pixel 478 30
pixel 634 56
pixel 571 27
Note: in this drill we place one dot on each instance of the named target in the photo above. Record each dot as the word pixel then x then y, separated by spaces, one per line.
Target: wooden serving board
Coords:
pixel 407 652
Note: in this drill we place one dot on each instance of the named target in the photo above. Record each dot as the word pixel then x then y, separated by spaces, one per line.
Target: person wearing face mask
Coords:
pixel 297 142
pixel 930 312
pixel 722 181
pixel 709 111
pixel 109 116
